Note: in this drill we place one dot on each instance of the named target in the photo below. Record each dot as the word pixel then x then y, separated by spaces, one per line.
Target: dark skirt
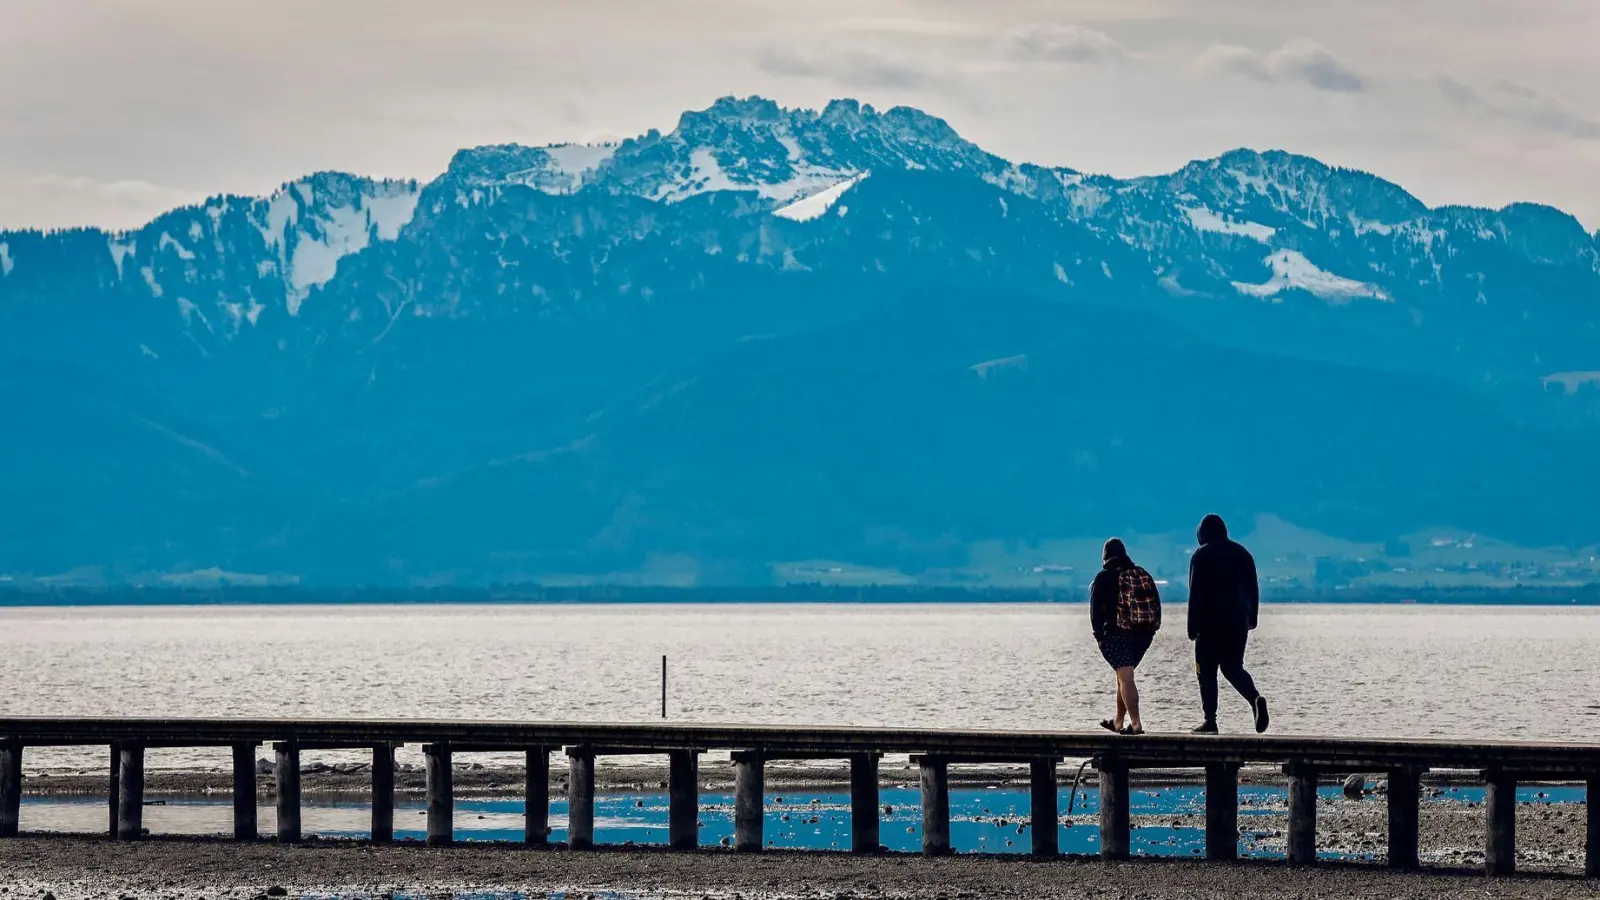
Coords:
pixel 1125 649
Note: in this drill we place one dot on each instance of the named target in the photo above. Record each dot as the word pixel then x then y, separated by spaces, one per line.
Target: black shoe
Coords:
pixel 1207 728
pixel 1262 720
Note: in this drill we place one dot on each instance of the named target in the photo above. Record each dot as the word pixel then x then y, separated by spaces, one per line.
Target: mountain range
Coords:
pixel 778 340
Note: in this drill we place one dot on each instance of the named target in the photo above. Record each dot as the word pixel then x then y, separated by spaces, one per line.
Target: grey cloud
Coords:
pixel 1056 42
pixel 1297 61
pixel 77 200
pixel 849 67
pixel 1519 103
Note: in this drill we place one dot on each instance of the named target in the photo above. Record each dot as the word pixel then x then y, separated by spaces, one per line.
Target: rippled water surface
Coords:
pixel 1399 670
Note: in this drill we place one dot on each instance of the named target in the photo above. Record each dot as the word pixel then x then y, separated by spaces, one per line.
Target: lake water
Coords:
pixel 981 821
pixel 1471 672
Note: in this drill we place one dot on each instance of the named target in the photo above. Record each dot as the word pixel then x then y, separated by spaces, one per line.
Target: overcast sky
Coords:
pixel 113 110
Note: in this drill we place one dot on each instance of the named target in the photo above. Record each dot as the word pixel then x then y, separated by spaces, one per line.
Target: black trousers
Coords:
pixel 1224 652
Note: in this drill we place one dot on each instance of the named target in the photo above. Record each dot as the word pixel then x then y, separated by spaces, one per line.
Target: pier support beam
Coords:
pixel 536 797
pixel 112 797
pixel 130 793
pixel 580 798
pixel 1405 810
pixel 1500 813
pixel 1045 807
pixel 683 799
pixel 10 788
pixel 441 794
pixel 1116 821
pixel 1222 812
pixel 1591 852
pixel 287 773
pixel 749 799
pixel 245 826
pixel 935 781
pixel 865 835
pixel 383 794
pixel 1302 813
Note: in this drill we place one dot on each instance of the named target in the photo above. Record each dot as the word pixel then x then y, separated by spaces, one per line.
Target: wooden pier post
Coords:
pixel 1500 809
pixel 10 788
pixel 683 799
pixel 245 826
pixel 580 798
pixel 865 832
pixel 287 772
pixel 1405 812
pixel 1591 845
pixel 383 794
pixel 1302 813
pixel 1116 820
pixel 935 805
pixel 116 789
pixel 441 794
pixel 1045 807
pixel 749 801
pixel 130 793
pixel 536 797
pixel 1222 812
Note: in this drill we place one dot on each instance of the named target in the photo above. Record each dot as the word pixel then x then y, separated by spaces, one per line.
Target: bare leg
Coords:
pixel 1128 697
pixel 1122 707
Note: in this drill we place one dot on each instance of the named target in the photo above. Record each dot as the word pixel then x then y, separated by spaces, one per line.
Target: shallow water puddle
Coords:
pixel 982 821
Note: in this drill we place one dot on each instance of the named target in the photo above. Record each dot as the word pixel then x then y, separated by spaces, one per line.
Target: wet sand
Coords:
pixel 72 868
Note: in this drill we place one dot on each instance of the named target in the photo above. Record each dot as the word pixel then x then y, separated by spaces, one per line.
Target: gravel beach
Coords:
pixel 1550 842
pixel 72 868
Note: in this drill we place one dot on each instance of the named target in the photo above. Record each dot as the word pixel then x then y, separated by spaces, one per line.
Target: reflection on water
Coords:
pixel 982 821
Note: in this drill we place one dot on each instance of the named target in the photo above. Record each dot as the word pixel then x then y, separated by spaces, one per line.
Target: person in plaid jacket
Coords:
pixel 1125 612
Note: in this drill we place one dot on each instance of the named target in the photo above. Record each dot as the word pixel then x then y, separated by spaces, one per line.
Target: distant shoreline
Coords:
pixel 808 594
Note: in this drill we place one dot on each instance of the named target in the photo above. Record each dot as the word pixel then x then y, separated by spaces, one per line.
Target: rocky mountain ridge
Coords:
pixel 298 373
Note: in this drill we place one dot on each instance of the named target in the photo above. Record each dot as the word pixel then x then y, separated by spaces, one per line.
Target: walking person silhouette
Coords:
pixel 1224 604
pixel 1125 613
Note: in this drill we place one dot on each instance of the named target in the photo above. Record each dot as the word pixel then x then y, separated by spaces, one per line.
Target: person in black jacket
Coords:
pixel 1124 612
pixel 1224 602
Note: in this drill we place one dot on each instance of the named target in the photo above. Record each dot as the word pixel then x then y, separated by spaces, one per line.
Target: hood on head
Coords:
pixel 1114 550
pixel 1212 529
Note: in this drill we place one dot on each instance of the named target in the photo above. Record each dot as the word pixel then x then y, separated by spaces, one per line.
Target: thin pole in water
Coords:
pixel 663 685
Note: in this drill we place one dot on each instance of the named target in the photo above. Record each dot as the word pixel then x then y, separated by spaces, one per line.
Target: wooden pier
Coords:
pixel 1304 760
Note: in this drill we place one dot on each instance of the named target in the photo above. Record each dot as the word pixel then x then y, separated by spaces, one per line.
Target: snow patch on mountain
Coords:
pixel 168 242
pixel 705 175
pixel 1291 270
pixel 1572 382
pixel 812 207
pixel 390 208
pixel 311 237
pixel 577 160
pixel 149 275
pixel 1203 219
pixel 6 265
pixel 556 169
pixel 1364 227
pixel 121 249
pixel 982 370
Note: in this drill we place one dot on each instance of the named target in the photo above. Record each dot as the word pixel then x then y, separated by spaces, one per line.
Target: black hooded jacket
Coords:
pixel 1224 596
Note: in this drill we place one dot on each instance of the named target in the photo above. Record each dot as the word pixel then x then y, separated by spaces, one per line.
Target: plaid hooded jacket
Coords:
pixel 1123 597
